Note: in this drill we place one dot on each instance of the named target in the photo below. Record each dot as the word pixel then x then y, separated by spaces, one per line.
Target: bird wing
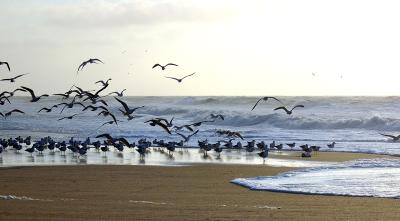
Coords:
pixel 1 114
pixel 174 78
pixel 8 66
pixel 238 135
pixel 134 109
pixel 30 91
pixel 124 141
pixel 156 66
pixel 114 119
pixel 188 75
pixel 171 64
pixel 46 109
pixel 108 136
pixel 96 59
pixel 300 105
pixel 101 81
pixel 387 135
pixel 183 136
pixel 18 76
pixel 276 99
pixel 6 79
pixel 163 126
pixel 283 108
pixel 123 104
pixel 188 127
pixel 256 104
pixel 193 134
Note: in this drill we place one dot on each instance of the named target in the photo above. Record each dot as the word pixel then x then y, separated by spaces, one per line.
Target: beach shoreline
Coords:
pixel 197 192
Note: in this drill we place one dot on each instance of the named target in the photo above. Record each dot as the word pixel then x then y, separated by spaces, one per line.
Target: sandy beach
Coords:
pixel 198 192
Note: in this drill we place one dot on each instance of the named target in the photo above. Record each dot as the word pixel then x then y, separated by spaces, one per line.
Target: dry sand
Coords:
pixel 200 192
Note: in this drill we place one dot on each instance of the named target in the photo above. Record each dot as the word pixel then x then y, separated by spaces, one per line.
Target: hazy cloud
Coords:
pixel 85 14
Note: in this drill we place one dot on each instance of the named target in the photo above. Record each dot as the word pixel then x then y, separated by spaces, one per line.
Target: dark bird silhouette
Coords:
pixel 13 111
pixel 48 109
pixel 12 79
pixel 198 124
pixel 394 138
pixel 107 113
pixel 11 93
pixel 163 66
pixel 69 117
pixel 187 138
pixel 127 111
pixel 34 98
pixel 119 94
pixel 104 83
pixel 90 61
pixel 289 112
pixel 109 122
pixel 265 99
pixel 179 80
pixel 5 63
pixel 94 108
pixel 332 145
pixel 154 122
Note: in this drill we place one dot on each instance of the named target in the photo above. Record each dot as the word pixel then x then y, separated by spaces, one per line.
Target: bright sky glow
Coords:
pixel 241 48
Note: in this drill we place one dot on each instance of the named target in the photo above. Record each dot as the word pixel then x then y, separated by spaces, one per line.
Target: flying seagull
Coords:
pixel 90 61
pixel 163 66
pixel 69 117
pixel 179 80
pixel 395 138
pixel 13 111
pixel 12 79
pixel 5 63
pixel 119 94
pixel 265 99
pixel 289 112
pixel 34 98
pixel 187 138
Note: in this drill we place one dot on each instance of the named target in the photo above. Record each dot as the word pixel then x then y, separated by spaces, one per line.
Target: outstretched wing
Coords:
pixel 96 59
pixel 174 78
pixel 108 136
pixel 188 75
pixel 297 106
pixel 387 135
pixel 171 64
pixel 123 104
pixel 30 91
pixel 156 66
pixel 283 108
pixel 255 105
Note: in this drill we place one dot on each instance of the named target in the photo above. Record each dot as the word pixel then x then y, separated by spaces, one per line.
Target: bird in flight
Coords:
pixel 13 111
pixel 90 61
pixel 215 116
pixel 119 94
pixel 12 79
pixel 69 117
pixel 289 112
pixel 179 80
pixel 154 122
pixel 395 138
pixel 34 98
pixel 187 138
pixel 163 66
pixel 5 63
pixel 265 99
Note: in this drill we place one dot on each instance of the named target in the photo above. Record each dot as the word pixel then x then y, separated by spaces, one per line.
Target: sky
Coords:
pixel 236 48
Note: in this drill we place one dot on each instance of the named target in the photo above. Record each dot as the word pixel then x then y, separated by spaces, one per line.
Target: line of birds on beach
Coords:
pixel 93 100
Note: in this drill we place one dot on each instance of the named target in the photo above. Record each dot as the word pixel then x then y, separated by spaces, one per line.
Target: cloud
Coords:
pixel 106 13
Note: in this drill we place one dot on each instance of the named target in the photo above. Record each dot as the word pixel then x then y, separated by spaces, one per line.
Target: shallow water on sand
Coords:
pixel 183 157
pixel 371 177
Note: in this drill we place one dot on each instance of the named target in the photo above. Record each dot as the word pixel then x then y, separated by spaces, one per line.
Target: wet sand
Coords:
pixel 199 192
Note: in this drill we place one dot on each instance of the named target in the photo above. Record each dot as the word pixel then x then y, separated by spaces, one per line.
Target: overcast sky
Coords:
pixel 235 47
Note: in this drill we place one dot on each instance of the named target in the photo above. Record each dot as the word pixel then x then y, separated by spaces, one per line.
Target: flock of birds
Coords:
pixel 93 100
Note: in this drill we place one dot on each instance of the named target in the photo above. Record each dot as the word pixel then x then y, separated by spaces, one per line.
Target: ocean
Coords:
pixel 354 123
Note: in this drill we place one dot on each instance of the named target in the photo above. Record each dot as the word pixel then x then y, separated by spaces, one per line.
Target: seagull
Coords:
pixel 104 83
pixel 395 138
pixel 12 79
pixel 187 138
pixel 107 113
pixel 13 111
pixel 69 117
pixel 154 122
pixel 291 145
pixel 128 110
pixel 119 94
pixel 34 98
pixel 180 79
pixel 48 109
pixel 109 122
pixel 332 145
pixel 94 108
pixel 90 61
pixel 6 63
pixel 266 99
pixel 289 112
pixel 163 66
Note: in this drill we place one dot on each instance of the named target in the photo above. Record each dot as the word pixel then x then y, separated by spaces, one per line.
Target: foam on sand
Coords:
pixel 368 177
